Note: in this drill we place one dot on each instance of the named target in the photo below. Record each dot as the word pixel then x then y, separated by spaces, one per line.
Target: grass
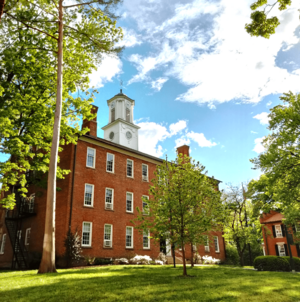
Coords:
pixel 150 283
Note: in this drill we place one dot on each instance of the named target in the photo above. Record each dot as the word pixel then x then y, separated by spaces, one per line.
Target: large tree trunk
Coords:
pixel 173 255
pixel 48 259
pixel 2 4
pixel 240 252
pixel 183 259
pixel 192 255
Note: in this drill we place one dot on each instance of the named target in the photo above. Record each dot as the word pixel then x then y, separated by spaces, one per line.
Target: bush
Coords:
pixel 296 262
pixel 102 261
pixel 232 256
pixel 271 263
pixel 137 259
pixel 73 250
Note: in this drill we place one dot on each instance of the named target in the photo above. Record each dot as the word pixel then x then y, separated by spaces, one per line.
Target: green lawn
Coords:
pixel 150 283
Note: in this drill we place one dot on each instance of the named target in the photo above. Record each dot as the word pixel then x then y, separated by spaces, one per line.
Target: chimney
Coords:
pixel 92 124
pixel 184 150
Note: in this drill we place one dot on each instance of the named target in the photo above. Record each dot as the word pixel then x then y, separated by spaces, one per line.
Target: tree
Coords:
pixel 184 204
pixel 2 4
pixel 261 25
pixel 279 187
pixel 73 247
pixel 241 224
pixel 87 26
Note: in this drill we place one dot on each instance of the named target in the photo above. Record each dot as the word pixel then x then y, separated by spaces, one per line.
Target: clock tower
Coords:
pixel 120 128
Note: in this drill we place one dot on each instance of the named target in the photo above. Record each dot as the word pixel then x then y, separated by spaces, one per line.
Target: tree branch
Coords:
pixel 80 4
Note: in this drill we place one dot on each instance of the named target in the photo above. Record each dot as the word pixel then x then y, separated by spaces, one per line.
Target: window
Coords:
pixel 129 237
pixel 281 250
pixel 216 241
pixel 27 236
pixel 89 195
pixel 297 228
pixel 2 246
pixel 110 163
pixel 206 244
pixel 146 239
pixel 107 235
pixel 129 202
pixel 145 205
pixel 144 172
pixel 90 159
pixel 113 114
pixel 278 231
pixel 86 234
pixel 128 115
pixel 109 198
pixel 19 236
pixel 129 168
pixel 31 204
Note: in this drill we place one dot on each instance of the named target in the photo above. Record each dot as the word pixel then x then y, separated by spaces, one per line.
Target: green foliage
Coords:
pixel 279 187
pixel 102 261
pixel 296 262
pixel 184 204
pixel 232 255
pixel 271 263
pixel 261 25
pixel 28 39
pixel 72 245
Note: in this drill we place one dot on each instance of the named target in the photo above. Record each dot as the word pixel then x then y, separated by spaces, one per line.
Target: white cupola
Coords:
pixel 120 128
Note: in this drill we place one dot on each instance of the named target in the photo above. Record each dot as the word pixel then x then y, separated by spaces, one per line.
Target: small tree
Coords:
pixel 73 247
pixel 241 225
pixel 184 204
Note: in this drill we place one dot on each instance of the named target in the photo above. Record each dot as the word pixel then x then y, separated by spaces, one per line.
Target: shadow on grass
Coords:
pixel 144 283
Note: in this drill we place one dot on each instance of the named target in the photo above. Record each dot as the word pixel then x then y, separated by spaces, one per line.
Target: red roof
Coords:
pixel 271 217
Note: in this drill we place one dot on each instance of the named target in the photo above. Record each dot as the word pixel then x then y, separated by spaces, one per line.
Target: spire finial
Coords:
pixel 121 86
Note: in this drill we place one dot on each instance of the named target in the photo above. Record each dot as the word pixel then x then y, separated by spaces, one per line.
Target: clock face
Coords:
pixel 128 135
pixel 111 135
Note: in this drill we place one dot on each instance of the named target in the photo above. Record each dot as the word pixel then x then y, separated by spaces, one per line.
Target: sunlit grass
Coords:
pixel 150 283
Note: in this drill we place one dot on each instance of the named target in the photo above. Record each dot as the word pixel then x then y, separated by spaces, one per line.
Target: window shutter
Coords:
pixel 286 250
pixel 276 249
pixel 274 233
pixel 283 230
pixel 298 249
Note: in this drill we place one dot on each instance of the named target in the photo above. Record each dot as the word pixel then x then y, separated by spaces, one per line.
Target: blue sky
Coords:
pixel 198 78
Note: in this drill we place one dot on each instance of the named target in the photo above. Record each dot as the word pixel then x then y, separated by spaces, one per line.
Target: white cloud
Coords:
pixel 253 132
pixel 263 118
pixel 130 38
pixel 182 141
pixel 109 68
pixel 211 106
pixel 158 84
pixel 258 148
pixel 200 139
pixel 177 127
pixel 269 104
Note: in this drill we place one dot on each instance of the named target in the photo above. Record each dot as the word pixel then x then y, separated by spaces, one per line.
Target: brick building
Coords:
pixel 98 198
pixel 275 237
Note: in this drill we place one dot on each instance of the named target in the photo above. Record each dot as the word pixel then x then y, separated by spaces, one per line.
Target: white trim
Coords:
pixel 148 235
pixel 111 236
pixel 126 246
pixel 217 250
pixel 206 245
pixel 3 240
pixel 132 206
pixel 132 176
pixel 280 235
pixel 94 161
pixel 279 245
pixel 92 199
pixel 26 236
pixel 90 234
pixel 146 177
pixel 144 212
pixel 264 251
pixel 113 165
pixel 112 199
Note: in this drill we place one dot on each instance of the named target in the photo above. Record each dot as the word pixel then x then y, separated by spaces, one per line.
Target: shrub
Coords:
pixel 121 261
pixel 162 257
pixel 73 247
pixel 271 263
pixel 296 262
pixel 210 260
pixel 137 259
pixel 232 256
pixel 102 261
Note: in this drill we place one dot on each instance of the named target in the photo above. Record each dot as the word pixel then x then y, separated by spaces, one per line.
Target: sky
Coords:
pixel 199 79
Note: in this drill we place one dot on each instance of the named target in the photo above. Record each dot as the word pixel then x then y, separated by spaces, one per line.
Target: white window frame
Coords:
pixel 132 176
pixel 217 250
pixel 27 236
pixel 279 245
pixel 111 235
pixel 143 210
pixel 3 240
pixel 113 165
pixel 94 161
pixel 92 199
pixel 126 246
pixel 112 199
pixel 145 178
pixel 90 234
pixel 206 245
pixel 278 234
pixel 297 227
pixel 146 234
pixel 132 207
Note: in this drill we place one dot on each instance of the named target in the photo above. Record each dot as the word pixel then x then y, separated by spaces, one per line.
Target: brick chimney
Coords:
pixel 92 124
pixel 184 150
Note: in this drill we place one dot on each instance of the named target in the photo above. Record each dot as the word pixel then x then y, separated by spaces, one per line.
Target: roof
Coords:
pixel 121 94
pixel 271 217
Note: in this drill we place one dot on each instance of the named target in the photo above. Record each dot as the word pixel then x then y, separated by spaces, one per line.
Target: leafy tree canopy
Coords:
pixel 28 80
